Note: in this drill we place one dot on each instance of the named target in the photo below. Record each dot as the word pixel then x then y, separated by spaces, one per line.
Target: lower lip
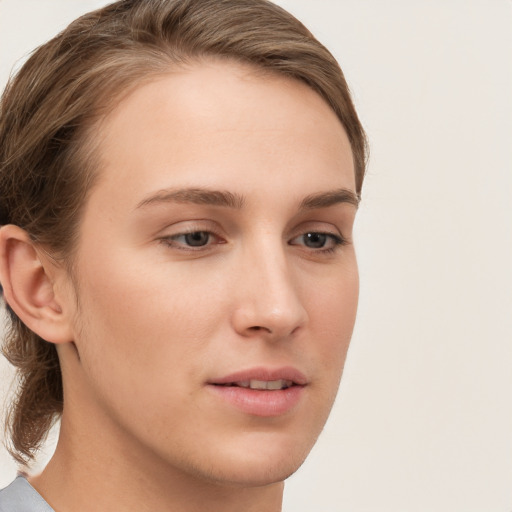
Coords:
pixel 260 402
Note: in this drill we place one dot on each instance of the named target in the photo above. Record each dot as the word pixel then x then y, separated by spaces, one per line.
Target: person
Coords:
pixel 178 186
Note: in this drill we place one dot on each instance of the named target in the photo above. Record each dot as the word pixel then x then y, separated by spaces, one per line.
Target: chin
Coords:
pixel 256 475
pixel 260 463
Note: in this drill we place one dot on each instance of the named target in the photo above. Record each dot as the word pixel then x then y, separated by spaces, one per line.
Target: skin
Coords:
pixel 147 320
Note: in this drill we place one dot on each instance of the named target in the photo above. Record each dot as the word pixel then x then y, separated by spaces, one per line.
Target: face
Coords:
pixel 216 277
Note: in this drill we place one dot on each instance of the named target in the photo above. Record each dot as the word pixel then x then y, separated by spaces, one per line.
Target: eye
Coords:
pixel 315 240
pixel 192 240
pixel 318 241
pixel 195 239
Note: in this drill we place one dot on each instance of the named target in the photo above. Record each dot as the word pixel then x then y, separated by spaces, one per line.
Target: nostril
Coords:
pixel 259 328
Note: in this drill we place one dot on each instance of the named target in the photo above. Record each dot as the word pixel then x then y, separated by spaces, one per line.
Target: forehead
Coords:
pixel 219 120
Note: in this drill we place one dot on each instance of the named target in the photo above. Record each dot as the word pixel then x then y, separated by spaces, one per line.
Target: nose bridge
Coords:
pixel 270 300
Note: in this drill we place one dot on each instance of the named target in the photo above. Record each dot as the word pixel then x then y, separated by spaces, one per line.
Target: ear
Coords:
pixel 28 279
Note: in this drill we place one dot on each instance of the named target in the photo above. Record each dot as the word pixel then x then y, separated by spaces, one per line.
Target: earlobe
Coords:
pixel 28 281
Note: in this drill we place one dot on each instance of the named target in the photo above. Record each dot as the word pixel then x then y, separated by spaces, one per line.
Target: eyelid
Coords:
pixel 172 241
pixel 318 226
pixel 172 233
pixel 328 227
pixel 335 238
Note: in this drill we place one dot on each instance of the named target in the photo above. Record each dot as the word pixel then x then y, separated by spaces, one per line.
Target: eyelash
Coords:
pixel 171 241
pixel 337 241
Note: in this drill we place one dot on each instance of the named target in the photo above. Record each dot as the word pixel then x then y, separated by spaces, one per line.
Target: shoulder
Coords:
pixel 20 496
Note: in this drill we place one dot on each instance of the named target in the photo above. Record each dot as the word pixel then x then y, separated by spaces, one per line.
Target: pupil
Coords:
pixel 315 240
pixel 197 239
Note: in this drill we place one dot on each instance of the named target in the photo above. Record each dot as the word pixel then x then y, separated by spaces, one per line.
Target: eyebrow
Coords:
pixel 196 196
pixel 236 201
pixel 331 198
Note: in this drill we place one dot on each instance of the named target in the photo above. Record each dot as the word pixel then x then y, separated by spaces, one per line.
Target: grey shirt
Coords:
pixel 20 496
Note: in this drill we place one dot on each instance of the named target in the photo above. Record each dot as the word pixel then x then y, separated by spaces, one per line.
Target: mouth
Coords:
pixel 261 392
pixel 263 378
pixel 267 385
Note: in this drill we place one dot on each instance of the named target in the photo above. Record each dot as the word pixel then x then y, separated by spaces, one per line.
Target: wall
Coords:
pixel 424 418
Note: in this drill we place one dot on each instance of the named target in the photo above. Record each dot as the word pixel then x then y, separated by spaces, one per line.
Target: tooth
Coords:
pixel 243 383
pixel 258 384
pixel 275 384
pixel 271 385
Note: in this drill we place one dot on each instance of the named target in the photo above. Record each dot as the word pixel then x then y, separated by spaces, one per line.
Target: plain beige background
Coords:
pixel 423 422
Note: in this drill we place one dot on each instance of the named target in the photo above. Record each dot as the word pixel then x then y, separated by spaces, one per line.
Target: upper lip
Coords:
pixel 263 374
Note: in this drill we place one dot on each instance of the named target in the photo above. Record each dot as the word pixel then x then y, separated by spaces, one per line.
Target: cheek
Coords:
pixel 141 345
pixel 333 305
pixel 332 315
pixel 125 293
pixel 141 319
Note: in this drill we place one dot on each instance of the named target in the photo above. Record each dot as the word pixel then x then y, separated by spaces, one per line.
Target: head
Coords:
pixel 117 176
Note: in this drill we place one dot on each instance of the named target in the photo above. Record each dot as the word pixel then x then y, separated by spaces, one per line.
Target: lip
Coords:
pixel 264 373
pixel 262 403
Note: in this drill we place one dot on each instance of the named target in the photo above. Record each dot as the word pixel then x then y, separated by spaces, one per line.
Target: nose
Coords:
pixel 269 303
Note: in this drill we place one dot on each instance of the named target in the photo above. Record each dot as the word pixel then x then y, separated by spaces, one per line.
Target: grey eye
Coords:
pixel 314 240
pixel 197 238
pixel 318 241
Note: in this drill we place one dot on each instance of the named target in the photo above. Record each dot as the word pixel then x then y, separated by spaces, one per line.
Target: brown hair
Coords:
pixel 48 110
